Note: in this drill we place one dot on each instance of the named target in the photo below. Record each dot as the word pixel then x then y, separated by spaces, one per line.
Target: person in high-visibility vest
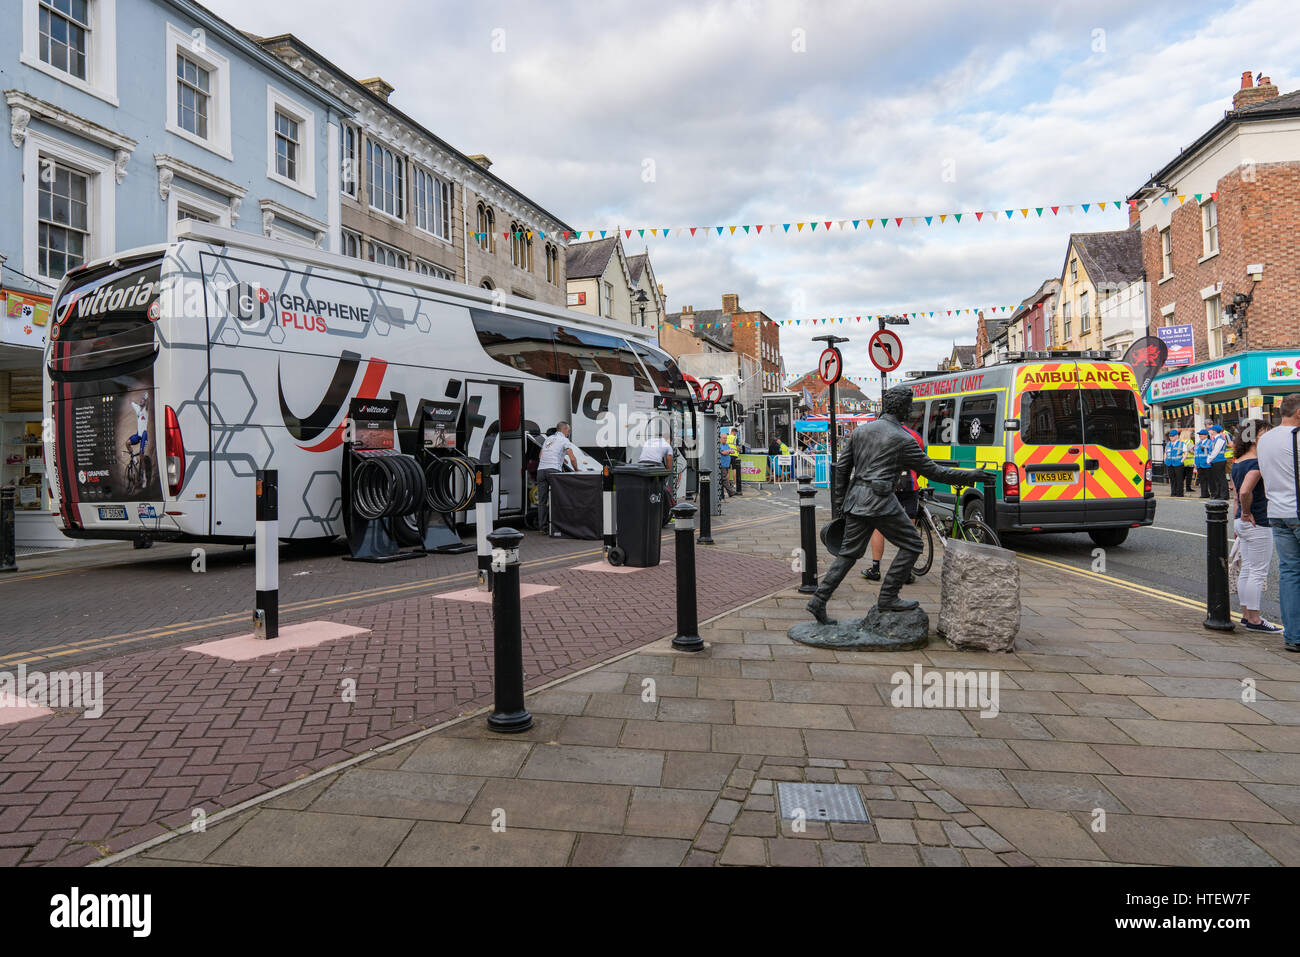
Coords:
pixel 1189 459
pixel 1174 463
pixel 1203 462
pixel 726 450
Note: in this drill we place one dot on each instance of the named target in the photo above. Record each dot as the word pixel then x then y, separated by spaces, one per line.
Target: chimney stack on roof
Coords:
pixel 378 86
pixel 482 160
pixel 730 303
pixel 1252 92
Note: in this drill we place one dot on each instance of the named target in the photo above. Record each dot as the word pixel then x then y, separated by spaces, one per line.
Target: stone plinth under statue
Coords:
pixel 877 631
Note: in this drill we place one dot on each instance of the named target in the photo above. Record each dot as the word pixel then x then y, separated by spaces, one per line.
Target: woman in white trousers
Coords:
pixel 1251 526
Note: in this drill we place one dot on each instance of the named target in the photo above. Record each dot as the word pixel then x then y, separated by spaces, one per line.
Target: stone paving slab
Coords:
pixel 1116 741
pixel 183 731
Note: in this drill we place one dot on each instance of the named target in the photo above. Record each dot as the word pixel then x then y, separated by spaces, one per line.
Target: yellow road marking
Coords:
pixel 1122 583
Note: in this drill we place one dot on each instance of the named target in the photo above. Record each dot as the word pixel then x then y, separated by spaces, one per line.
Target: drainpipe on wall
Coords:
pixel 464 226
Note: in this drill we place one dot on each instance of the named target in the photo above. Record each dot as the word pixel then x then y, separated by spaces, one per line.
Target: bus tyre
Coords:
pixel 616 556
pixel 142 543
pixel 1108 537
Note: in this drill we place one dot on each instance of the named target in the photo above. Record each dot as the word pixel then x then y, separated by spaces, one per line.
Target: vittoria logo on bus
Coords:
pixel 111 297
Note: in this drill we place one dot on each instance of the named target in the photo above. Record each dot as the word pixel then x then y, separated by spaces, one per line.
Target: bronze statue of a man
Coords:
pixel 869 464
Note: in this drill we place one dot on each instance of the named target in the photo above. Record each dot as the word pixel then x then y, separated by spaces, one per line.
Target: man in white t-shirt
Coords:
pixel 554 450
pixel 1278 451
pixel 656 452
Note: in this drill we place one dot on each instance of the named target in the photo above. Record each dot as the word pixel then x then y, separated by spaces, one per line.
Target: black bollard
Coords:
pixel 508 713
pixel 808 534
pixel 688 626
pixel 706 509
pixel 266 555
pixel 736 464
pixel 1217 615
pixel 8 520
pixel 482 521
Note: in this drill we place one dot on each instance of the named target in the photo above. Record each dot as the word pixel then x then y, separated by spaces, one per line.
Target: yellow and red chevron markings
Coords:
pixel 1116 468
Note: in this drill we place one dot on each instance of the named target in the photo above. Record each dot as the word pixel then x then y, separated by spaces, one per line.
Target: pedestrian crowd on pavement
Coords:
pixel 1257 468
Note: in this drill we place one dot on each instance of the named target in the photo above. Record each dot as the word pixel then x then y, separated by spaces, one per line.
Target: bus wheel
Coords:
pixel 142 543
pixel 1108 537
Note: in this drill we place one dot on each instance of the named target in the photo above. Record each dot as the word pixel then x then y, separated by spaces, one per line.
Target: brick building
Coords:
pixel 747 333
pixel 1220 226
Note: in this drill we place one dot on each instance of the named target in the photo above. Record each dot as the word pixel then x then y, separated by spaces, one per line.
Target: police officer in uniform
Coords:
pixel 1174 463
pixel 1203 462
pixel 868 466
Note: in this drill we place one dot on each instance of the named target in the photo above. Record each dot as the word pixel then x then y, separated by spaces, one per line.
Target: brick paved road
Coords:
pixel 183 730
pixel 125 600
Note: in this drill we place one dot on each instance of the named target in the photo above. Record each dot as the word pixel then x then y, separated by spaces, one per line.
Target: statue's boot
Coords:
pixel 817 607
pixel 894 603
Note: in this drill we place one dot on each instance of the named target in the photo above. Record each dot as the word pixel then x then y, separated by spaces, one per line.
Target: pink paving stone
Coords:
pixel 473 594
pixel 308 634
pixel 603 566
pixel 15 708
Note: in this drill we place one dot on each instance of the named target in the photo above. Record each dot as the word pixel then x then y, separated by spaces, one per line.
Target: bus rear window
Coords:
pixel 106 322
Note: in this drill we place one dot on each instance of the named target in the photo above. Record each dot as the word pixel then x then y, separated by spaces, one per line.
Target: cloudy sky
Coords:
pixel 677 114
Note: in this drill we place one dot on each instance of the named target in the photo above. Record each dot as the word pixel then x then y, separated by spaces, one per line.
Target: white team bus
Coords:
pixel 174 372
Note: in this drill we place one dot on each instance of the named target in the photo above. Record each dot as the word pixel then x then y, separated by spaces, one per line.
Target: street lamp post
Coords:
pixel 641 300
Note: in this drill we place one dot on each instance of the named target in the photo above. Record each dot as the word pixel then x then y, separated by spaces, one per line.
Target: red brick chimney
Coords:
pixel 730 303
pixel 1253 93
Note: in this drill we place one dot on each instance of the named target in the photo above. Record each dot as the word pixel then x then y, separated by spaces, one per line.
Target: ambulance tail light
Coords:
pixel 175 454
pixel 1146 482
pixel 1010 482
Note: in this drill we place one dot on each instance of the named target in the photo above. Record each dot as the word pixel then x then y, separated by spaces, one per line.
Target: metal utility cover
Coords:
pixel 822 802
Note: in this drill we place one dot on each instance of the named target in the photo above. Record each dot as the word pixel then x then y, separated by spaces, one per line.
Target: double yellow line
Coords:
pixel 1146 590
pixel 407 588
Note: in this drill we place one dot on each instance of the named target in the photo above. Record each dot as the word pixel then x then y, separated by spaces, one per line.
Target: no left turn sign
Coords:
pixel 830 366
pixel 712 391
pixel 885 350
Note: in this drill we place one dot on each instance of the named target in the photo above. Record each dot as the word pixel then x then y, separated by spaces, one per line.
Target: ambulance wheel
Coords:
pixel 973 510
pixel 1108 537
pixel 616 556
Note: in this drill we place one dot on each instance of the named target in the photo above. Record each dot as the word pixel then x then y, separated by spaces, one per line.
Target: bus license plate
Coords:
pixel 112 513
pixel 1052 478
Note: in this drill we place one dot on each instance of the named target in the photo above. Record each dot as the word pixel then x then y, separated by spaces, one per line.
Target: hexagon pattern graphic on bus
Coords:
pixel 323 499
